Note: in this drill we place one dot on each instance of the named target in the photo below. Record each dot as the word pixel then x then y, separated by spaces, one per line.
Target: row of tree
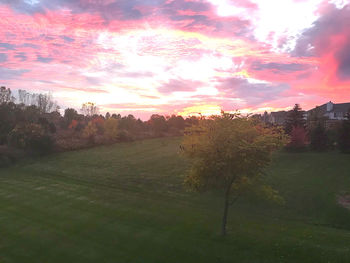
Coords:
pixel 33 123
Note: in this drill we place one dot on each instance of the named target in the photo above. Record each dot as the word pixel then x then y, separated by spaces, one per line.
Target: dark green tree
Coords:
pixel 295 118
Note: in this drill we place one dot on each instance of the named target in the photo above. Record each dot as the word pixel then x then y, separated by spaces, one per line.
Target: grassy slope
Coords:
pixel 126 203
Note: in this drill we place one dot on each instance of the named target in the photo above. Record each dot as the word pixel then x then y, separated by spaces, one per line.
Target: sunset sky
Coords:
pixel 178 56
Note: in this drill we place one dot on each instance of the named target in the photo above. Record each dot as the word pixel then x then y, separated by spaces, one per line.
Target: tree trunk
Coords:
pixel 226 206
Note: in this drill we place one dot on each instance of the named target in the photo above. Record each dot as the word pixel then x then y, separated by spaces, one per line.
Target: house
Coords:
pixel 278 117
pixel 331 111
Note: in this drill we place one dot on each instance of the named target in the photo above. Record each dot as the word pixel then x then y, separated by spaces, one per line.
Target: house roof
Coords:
pixel 340 107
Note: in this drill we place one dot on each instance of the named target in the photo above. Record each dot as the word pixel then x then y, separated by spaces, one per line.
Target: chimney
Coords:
pixel 330 106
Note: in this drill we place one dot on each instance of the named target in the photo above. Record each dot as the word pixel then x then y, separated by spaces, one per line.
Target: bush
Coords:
pixel 31 138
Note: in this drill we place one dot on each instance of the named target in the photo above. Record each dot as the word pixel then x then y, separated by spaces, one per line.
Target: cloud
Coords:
pixel 44 59
pixel 252 93
pixel 3 57
pixel 6 73
pixel 317 39
pixel 329 39
pixel 343 58
pixel 179 85
pixel 21 55
pixel 279 67
pixel 7 46
pixel 68 39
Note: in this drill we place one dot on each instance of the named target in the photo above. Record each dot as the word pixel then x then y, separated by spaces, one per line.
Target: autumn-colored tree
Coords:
pixel 298 139
pixel 90 131
pixel 73 125
pixel 111 128
pixel 229 153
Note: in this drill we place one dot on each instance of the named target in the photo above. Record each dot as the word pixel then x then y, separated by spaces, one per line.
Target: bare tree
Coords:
pixel 44 102
pixel 6 95
pixel 89 109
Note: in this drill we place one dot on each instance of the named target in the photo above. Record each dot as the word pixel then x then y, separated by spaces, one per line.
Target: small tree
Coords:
pixel 295 118
pixel 229 153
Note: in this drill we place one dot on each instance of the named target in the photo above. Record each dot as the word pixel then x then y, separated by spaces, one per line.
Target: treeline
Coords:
pixel 312 133
pixel 31 124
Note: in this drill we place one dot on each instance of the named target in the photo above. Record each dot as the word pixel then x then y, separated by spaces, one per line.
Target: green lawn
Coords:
pixel 126 203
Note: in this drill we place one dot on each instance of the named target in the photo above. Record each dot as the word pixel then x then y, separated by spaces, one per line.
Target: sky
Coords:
pixel 145 57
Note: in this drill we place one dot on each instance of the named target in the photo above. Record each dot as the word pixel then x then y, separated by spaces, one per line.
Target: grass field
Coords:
pixel 126 203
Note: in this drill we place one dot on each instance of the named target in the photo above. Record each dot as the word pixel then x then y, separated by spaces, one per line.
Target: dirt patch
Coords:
pixel 344 200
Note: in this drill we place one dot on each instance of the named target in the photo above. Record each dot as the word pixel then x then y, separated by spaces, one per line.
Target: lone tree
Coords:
pixel 229 153
pixel 295 118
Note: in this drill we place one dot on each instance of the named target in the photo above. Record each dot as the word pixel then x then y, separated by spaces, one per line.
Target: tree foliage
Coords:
pixel 298 139
pixel 111 129
pixel 230 152
pixel 158 124
pixel 31 137
pixel 90 132
pixel 295 118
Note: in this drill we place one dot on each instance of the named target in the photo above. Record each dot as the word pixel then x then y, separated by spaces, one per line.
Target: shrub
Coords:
pixel 32 138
